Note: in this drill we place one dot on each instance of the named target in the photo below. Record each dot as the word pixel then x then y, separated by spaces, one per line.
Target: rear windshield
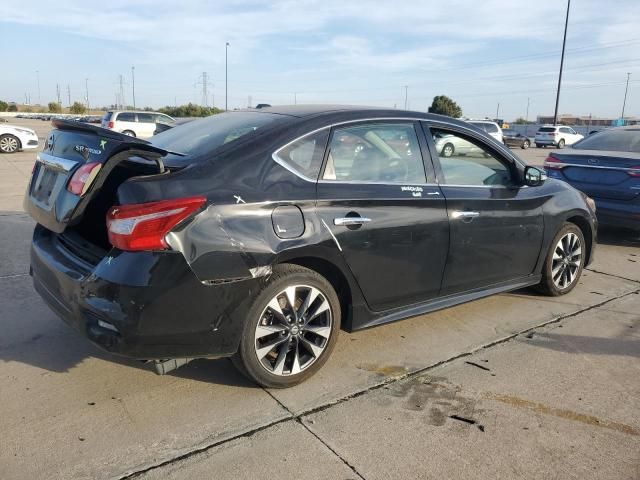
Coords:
pixel 547 129
pixel 616 140
pixel 204 135
pixel 107 116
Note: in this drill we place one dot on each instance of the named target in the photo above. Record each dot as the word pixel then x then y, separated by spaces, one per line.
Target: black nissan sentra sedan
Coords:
pixel 258 234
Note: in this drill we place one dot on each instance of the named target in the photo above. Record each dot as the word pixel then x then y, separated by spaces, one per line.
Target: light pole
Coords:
pixel 526 119
pixel 133 86
pixel 498 111
pixel 226 78
pixel 624 103
pixel 86 87
pixel 406 96
pixel 564 41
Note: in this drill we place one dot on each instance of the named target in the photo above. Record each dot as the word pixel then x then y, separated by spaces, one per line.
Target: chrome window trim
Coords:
pixel 300 175
pixel 57 163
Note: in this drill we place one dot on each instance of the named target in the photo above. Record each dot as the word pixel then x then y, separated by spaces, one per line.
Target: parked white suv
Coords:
pixel 492 128
pixel 136 124
pixel 556 136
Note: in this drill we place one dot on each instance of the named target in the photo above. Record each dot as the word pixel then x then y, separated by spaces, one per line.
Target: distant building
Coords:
pixel 569 119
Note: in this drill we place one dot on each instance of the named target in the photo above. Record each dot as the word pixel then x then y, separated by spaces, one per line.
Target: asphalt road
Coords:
pixel 512 386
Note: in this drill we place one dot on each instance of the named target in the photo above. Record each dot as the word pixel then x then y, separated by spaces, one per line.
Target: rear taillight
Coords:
pixel 552 163
pixel 110 125
pixel 144 226
pixel 634 171
pixel 84 176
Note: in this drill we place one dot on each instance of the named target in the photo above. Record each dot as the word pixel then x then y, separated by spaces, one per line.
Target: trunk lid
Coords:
pixel 71 145
pixel 602 174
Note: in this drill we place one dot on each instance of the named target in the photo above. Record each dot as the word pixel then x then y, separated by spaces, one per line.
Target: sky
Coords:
pixel 489 56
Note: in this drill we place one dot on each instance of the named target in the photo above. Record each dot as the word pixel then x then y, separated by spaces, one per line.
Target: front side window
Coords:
pixel 375 153
pixel 466 161
pixel 305 154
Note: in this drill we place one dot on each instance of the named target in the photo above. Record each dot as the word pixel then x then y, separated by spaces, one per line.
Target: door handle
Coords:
pixel 466 214
pixel 346 221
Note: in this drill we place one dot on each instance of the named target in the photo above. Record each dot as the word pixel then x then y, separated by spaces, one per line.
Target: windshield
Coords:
pixel 204 135
pixel 627 140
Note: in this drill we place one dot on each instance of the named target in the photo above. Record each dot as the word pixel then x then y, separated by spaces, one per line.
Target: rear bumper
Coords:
pixel 144 305
pixel 545 142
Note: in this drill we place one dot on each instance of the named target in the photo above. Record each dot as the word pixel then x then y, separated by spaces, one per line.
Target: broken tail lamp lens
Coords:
pixel 83 178
pixel 144 226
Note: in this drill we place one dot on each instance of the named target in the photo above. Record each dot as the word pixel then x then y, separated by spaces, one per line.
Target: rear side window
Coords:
pixel 147 117
pixel 126 117
pixel 375 153
pixel 304 156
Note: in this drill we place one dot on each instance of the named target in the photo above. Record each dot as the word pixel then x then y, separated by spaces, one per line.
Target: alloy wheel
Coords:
pixel 293 330
pixel 566 260
pixel 8 144
pixel 447 151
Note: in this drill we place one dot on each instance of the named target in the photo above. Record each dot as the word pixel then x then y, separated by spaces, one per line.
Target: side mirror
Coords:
pixel 534 177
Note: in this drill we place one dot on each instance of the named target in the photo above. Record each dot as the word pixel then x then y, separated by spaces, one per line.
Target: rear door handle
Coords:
pixel 464 214
pixel 346 221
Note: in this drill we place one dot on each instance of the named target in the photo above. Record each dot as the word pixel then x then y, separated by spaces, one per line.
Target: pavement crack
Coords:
pixel 298 417
pixel 14 275
pixel 612 275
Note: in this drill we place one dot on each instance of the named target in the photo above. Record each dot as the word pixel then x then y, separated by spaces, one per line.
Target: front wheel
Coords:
pixel 9 144
pixel 292 328
pixel 564 263
pixel 526 144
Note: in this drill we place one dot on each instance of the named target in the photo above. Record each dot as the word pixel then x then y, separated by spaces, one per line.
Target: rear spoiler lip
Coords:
pixel 125 140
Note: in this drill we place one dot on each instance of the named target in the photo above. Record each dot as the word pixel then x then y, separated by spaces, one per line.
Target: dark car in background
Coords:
pixel 512 138
pixel 258 234
pixel 605 166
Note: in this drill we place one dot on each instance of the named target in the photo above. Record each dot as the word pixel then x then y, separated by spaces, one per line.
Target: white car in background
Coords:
pixel 492 128
pixel 14 139
pixel 556 136
pixel 135 124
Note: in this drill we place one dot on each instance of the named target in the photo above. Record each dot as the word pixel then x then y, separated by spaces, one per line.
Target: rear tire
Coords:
pixel 9 144
pixel 526 144
pixel 564 262
pixel 282 346
pixel 561 143
pixel 130 133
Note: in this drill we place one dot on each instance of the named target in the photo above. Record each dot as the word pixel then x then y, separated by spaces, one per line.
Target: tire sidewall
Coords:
pixel 246 355
pixel 551 286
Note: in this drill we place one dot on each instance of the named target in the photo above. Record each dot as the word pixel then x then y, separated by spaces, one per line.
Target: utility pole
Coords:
pixel 226 76
pixel 205 96
pixel 122 102
pixel 526 119
pixel 133 86
pixel 406 96
pixel 58 93
pixel 69 94
pixel 86 87
pixel 498 111
pixel 564 42
pixel 624 103
pixel 38 82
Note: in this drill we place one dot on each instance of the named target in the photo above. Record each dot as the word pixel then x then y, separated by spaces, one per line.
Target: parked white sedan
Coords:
pixel 13 139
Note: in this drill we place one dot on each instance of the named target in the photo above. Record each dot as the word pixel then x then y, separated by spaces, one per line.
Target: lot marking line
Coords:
pixel 300 416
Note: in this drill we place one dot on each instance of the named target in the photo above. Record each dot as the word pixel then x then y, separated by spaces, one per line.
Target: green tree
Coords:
pixel 521 121
pixel 77 108
pixel 189 110
pixel 54 107
pixel 443 105
pixel 3 106
pixel 12 108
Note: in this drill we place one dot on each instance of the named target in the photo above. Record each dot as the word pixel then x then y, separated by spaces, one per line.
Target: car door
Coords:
pixel 146 124
pixel 389 222
pixel 496 224
pixel 126 122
